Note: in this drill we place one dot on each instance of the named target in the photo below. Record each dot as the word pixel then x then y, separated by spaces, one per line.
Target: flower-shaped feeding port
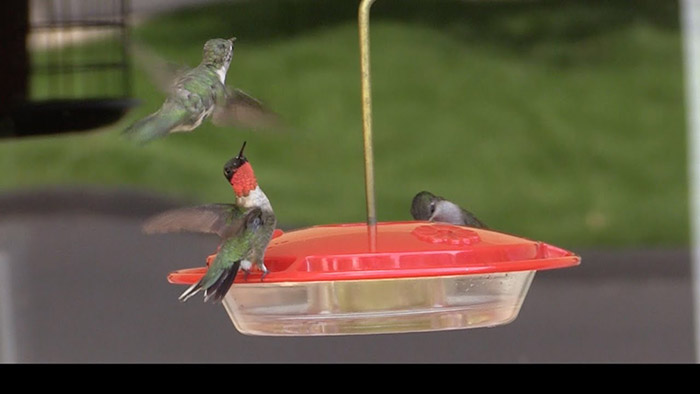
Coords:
pixel 401 277
pixel 440 233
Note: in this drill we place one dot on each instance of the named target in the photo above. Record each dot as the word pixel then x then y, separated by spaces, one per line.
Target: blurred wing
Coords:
pixel 220 219
pixel 162 72
pixel 240 109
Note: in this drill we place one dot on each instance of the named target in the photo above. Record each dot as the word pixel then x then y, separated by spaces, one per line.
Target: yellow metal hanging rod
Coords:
pixel 367 110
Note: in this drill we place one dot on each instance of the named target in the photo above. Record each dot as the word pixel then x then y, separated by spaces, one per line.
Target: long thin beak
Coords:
pixel 437 210
pixel 240 154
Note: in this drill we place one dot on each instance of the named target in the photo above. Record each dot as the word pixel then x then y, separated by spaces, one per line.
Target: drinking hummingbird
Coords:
pixel 196 94
pixel 245 228
pixel 427 206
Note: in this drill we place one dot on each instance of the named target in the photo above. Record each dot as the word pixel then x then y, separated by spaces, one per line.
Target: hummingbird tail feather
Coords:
pixel 192 290
pixel 155 125
pixel 218 289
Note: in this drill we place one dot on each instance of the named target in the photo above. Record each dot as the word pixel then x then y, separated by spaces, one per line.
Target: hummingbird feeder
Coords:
pixel 387 277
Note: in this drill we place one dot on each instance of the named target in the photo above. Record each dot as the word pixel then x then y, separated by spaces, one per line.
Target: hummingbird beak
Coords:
pixel 435 212
pixel 240 154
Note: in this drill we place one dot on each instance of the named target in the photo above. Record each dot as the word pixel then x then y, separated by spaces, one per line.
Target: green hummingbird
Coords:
pixel 237 249
pixel 245 228
pixel 196 94
pixel 427 206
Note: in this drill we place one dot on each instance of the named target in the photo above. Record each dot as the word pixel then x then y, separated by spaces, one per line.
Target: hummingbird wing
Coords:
pixel 242 110
pixel 172 113
pixel 162 72
pixel 224 220
pixel 471 220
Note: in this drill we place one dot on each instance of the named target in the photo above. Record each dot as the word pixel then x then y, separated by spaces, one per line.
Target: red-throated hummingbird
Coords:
pixel 245 229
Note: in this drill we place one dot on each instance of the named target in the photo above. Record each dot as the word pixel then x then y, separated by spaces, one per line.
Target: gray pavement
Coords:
pixel 80 283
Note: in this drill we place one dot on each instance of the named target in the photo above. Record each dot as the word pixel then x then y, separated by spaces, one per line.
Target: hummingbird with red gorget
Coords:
pixel 245 228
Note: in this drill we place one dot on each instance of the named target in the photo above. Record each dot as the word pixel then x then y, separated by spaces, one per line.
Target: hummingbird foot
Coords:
pixel 246 273
pixel 265 271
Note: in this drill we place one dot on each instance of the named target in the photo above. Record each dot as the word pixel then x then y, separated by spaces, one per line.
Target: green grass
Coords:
pixel 555 121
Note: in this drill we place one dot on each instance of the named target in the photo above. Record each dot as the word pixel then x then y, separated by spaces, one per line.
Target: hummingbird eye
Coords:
pixel 432 207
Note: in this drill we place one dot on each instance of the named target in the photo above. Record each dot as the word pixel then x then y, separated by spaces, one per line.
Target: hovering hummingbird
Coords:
pixel 245 228
pixel 194 95
pixel 427 206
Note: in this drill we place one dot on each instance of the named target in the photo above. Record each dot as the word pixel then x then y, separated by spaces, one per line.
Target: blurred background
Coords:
pixel 560 121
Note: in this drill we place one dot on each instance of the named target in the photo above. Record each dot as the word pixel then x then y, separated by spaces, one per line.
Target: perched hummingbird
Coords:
pixel 427 206
pixel 194 95
pixel 236 251
pixel 245 228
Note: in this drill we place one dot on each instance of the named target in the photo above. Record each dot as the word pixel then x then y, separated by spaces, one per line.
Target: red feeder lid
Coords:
pixel 406 249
